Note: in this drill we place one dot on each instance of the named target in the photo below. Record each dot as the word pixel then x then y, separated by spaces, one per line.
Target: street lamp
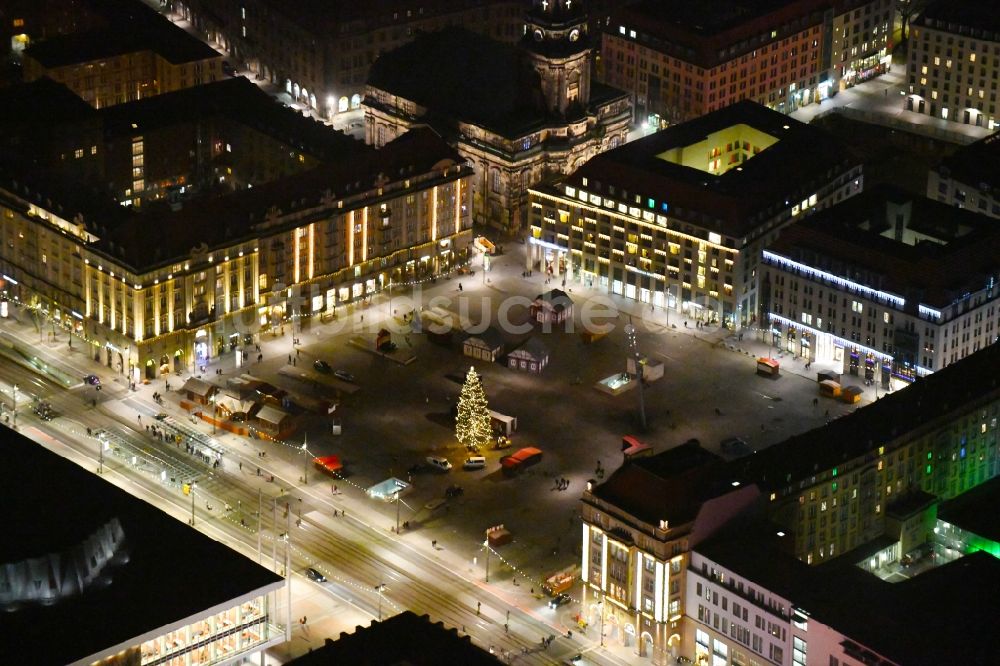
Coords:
pixel 486 545
pixel 305 461
pixel 633 345
pixel 100 454
pixel 191 488
pixel 397 509
pixel 379 588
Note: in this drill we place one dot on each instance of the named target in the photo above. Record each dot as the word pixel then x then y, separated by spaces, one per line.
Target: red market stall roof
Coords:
pixel 329 463
pixel 769 362
pixel 632 446
pixel 520 456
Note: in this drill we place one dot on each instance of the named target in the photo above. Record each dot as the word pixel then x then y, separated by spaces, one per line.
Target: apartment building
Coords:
pixel 857 494
pixel 166 290
pixel 638 529
pixel 969 178
pixel 751 604
pixel 519 113
pixel 954 62
pixel 208 139
pixel 320 53
pixel 681 60
pixel 678 219
pixel 887 286
pixel 138 54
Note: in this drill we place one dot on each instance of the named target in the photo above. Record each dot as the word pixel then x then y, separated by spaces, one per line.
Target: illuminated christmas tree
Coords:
pixel 472 423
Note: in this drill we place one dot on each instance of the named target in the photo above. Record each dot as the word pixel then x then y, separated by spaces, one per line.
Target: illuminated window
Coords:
pixel 78 153
pixel 972 57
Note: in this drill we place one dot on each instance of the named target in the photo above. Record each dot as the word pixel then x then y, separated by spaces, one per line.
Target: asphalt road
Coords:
pixel 353 555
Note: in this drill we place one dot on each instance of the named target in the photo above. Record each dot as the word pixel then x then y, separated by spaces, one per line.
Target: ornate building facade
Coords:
pixel 164 291
pixel 518 114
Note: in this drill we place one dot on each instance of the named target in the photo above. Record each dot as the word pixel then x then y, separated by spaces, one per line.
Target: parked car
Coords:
pixel 439 463
pixel 312 574
pixel 93 380
pixel 474 462
pixel 559 600
pixel 321 366
pixel 343 374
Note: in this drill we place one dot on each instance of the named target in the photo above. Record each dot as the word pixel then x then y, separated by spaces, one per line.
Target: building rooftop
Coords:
pixel 134 27
pixel 54 507
pixel 236 99
pixel 670 486
pixel 320 16
pixel 160 237
pixel 892 240
pixel 41 103
pixel 406 638
pixel 976 165
pixel 975 510
pixel 671 167
pixel 492 84
pixel 142 241
pixel 961 16
pixel 957 387
pixel 889 618
pixel 709 32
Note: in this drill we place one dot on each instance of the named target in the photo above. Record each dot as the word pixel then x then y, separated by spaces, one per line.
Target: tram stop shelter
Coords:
pixel 388 489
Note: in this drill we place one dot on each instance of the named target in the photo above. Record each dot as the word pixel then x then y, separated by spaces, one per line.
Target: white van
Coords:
pixel 439 463
pixel 475 462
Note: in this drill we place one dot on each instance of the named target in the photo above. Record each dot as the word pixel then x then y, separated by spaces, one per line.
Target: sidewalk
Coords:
pixel 882 101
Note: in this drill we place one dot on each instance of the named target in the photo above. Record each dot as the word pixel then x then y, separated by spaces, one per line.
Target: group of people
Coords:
pixel 561 484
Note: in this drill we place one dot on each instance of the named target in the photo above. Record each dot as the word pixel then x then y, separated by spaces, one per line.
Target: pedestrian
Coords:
pixel 258 471
pixel 140 418
pixel 362 319
pixel 241 466
pixel 434 543
pixel 289 359
pixel 334 489
pixel 298 351
pixel 295 361
pixel 479 607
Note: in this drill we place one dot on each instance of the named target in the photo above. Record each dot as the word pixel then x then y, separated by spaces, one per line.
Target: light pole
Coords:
pixel 602 618
pixel 191 488
pixel 397 510
pixel 379 588
pixel 305 461
pixel 633 345
pixel 486 545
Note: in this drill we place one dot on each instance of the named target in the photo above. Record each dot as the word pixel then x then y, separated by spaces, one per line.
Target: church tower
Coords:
pixel 557 43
